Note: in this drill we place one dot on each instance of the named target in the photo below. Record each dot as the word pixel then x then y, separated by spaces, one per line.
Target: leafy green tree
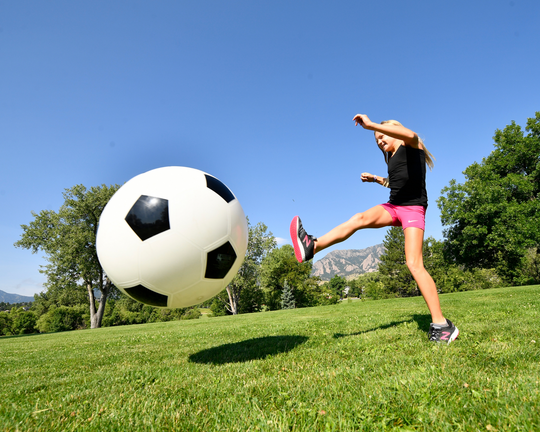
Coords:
pixel 243 293
pixel 5 323
pixel 63 318
pixel 69 295
pixel 280 265
pixel 493 218
pixel 24 322
pixel 68 238
pixel 531 266
pixel 17 322
pixel 395 274
pixel 218 308
pixel 358 285
pixel 191 313
pixel 337 285
pixel 125 311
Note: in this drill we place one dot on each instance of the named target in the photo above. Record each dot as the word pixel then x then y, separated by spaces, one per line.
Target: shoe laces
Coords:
pixel 435 333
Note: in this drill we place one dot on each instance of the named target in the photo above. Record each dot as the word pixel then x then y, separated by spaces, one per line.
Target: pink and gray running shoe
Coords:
pixel 443 334
pixel 302 242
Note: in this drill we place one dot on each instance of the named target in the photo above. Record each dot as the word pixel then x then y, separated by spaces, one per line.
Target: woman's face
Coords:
pixel 386 143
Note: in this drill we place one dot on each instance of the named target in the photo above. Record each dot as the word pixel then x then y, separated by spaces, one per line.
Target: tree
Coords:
pixel 280 265
pixel 493 218
pixel 395 274
pixel 337 285
pixel 57 295
pixel 243 292
pixel 68 238
pixel 287 297
pixel 531 267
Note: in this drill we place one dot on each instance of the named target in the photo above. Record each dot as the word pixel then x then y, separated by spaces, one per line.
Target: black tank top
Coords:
pixel 407 177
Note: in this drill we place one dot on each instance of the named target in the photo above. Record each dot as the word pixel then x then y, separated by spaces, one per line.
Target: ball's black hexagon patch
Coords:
pixel 149 216
pixel 147 296
pixel 219 188
pixel 219 261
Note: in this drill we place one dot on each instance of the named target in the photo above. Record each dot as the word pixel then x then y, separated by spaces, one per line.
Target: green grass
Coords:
pixel 354 366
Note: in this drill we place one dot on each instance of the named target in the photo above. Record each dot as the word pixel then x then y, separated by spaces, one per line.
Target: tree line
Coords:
pixel 491 239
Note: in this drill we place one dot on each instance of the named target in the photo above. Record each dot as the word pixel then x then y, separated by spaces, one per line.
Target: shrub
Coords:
pixel 194 313
pixel 218 308
pixel 5 323
pixel 378 290
pixel 63 318
pixel 24 322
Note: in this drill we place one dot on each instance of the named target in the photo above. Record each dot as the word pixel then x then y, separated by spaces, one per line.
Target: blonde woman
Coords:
pixel 407 158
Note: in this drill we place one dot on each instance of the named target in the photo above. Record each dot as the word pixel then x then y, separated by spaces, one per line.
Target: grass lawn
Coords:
pixel 350 367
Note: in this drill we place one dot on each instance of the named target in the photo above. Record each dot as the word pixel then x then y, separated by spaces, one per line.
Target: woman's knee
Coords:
pixel 358 221
pixel 415 266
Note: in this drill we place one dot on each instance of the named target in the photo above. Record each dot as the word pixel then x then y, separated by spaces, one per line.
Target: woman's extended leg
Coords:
pixel 375 217
pixel 414 238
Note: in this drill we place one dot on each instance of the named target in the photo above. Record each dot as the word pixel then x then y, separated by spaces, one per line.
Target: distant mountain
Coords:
pixel 348 263
pixel 14 298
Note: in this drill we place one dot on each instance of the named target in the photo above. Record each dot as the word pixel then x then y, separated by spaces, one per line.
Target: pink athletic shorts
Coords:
pixel 407 216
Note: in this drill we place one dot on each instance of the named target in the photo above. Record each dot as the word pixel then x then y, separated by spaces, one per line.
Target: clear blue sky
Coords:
pixel 259 94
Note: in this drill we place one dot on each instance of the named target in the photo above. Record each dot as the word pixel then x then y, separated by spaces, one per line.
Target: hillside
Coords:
pixel 348 263
pixel 355 366
pixel 14 298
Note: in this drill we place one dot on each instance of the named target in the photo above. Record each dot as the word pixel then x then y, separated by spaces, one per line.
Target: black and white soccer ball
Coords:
pixel 172 237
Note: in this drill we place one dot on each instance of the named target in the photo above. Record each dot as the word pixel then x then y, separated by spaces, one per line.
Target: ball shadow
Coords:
pixel 251 349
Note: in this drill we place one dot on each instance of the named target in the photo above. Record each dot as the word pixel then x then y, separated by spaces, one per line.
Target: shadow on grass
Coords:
pixel 423 322
pixel 20 336
pixel 251 349
pixel 381 327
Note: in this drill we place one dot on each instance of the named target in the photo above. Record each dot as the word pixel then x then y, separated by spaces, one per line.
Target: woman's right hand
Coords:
pixel 362 120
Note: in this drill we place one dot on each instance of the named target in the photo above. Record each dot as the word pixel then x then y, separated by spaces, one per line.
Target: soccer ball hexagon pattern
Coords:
pixel 172 237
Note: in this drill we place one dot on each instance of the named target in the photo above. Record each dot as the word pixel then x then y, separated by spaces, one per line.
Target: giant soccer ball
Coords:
pixel 172 237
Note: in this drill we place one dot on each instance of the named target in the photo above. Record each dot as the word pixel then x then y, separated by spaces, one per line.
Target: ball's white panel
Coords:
pixel 116 243
pixel 203 217
pixel 239 229
pixel 203 291
pixel 169 262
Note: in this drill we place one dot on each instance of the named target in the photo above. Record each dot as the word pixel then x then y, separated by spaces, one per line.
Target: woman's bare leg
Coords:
pixel 414 238
pixel 375 217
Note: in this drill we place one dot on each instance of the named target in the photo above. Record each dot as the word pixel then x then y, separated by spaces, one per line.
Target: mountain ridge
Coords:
pixel 348 263
pixel 14 298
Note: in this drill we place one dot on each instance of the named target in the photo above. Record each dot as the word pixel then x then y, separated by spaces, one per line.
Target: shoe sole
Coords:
pixel 453 336
pixel 297 243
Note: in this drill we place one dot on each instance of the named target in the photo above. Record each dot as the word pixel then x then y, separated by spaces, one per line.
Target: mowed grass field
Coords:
pixel 350 367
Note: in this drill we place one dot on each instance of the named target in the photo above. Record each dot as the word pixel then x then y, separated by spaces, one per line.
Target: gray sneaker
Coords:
pixel 443 334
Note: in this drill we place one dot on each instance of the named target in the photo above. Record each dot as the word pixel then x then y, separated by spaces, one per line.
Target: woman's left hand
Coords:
pixel 367 177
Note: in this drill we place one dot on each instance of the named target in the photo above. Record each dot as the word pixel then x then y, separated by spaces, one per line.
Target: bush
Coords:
pixel 218 308
pixel 378 291
pixel 63 318
pixel 457 279
pixel 5 323
pixel 24 322
pixel 17 322
pixel 194 313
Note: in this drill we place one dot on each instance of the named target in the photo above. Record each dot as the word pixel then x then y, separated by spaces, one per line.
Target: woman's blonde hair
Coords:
pixel 429 157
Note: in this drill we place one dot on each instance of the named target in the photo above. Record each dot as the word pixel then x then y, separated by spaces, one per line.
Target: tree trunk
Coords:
pixel 92 300
pixel 233 300
pixel 97 316
pixel 96 323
